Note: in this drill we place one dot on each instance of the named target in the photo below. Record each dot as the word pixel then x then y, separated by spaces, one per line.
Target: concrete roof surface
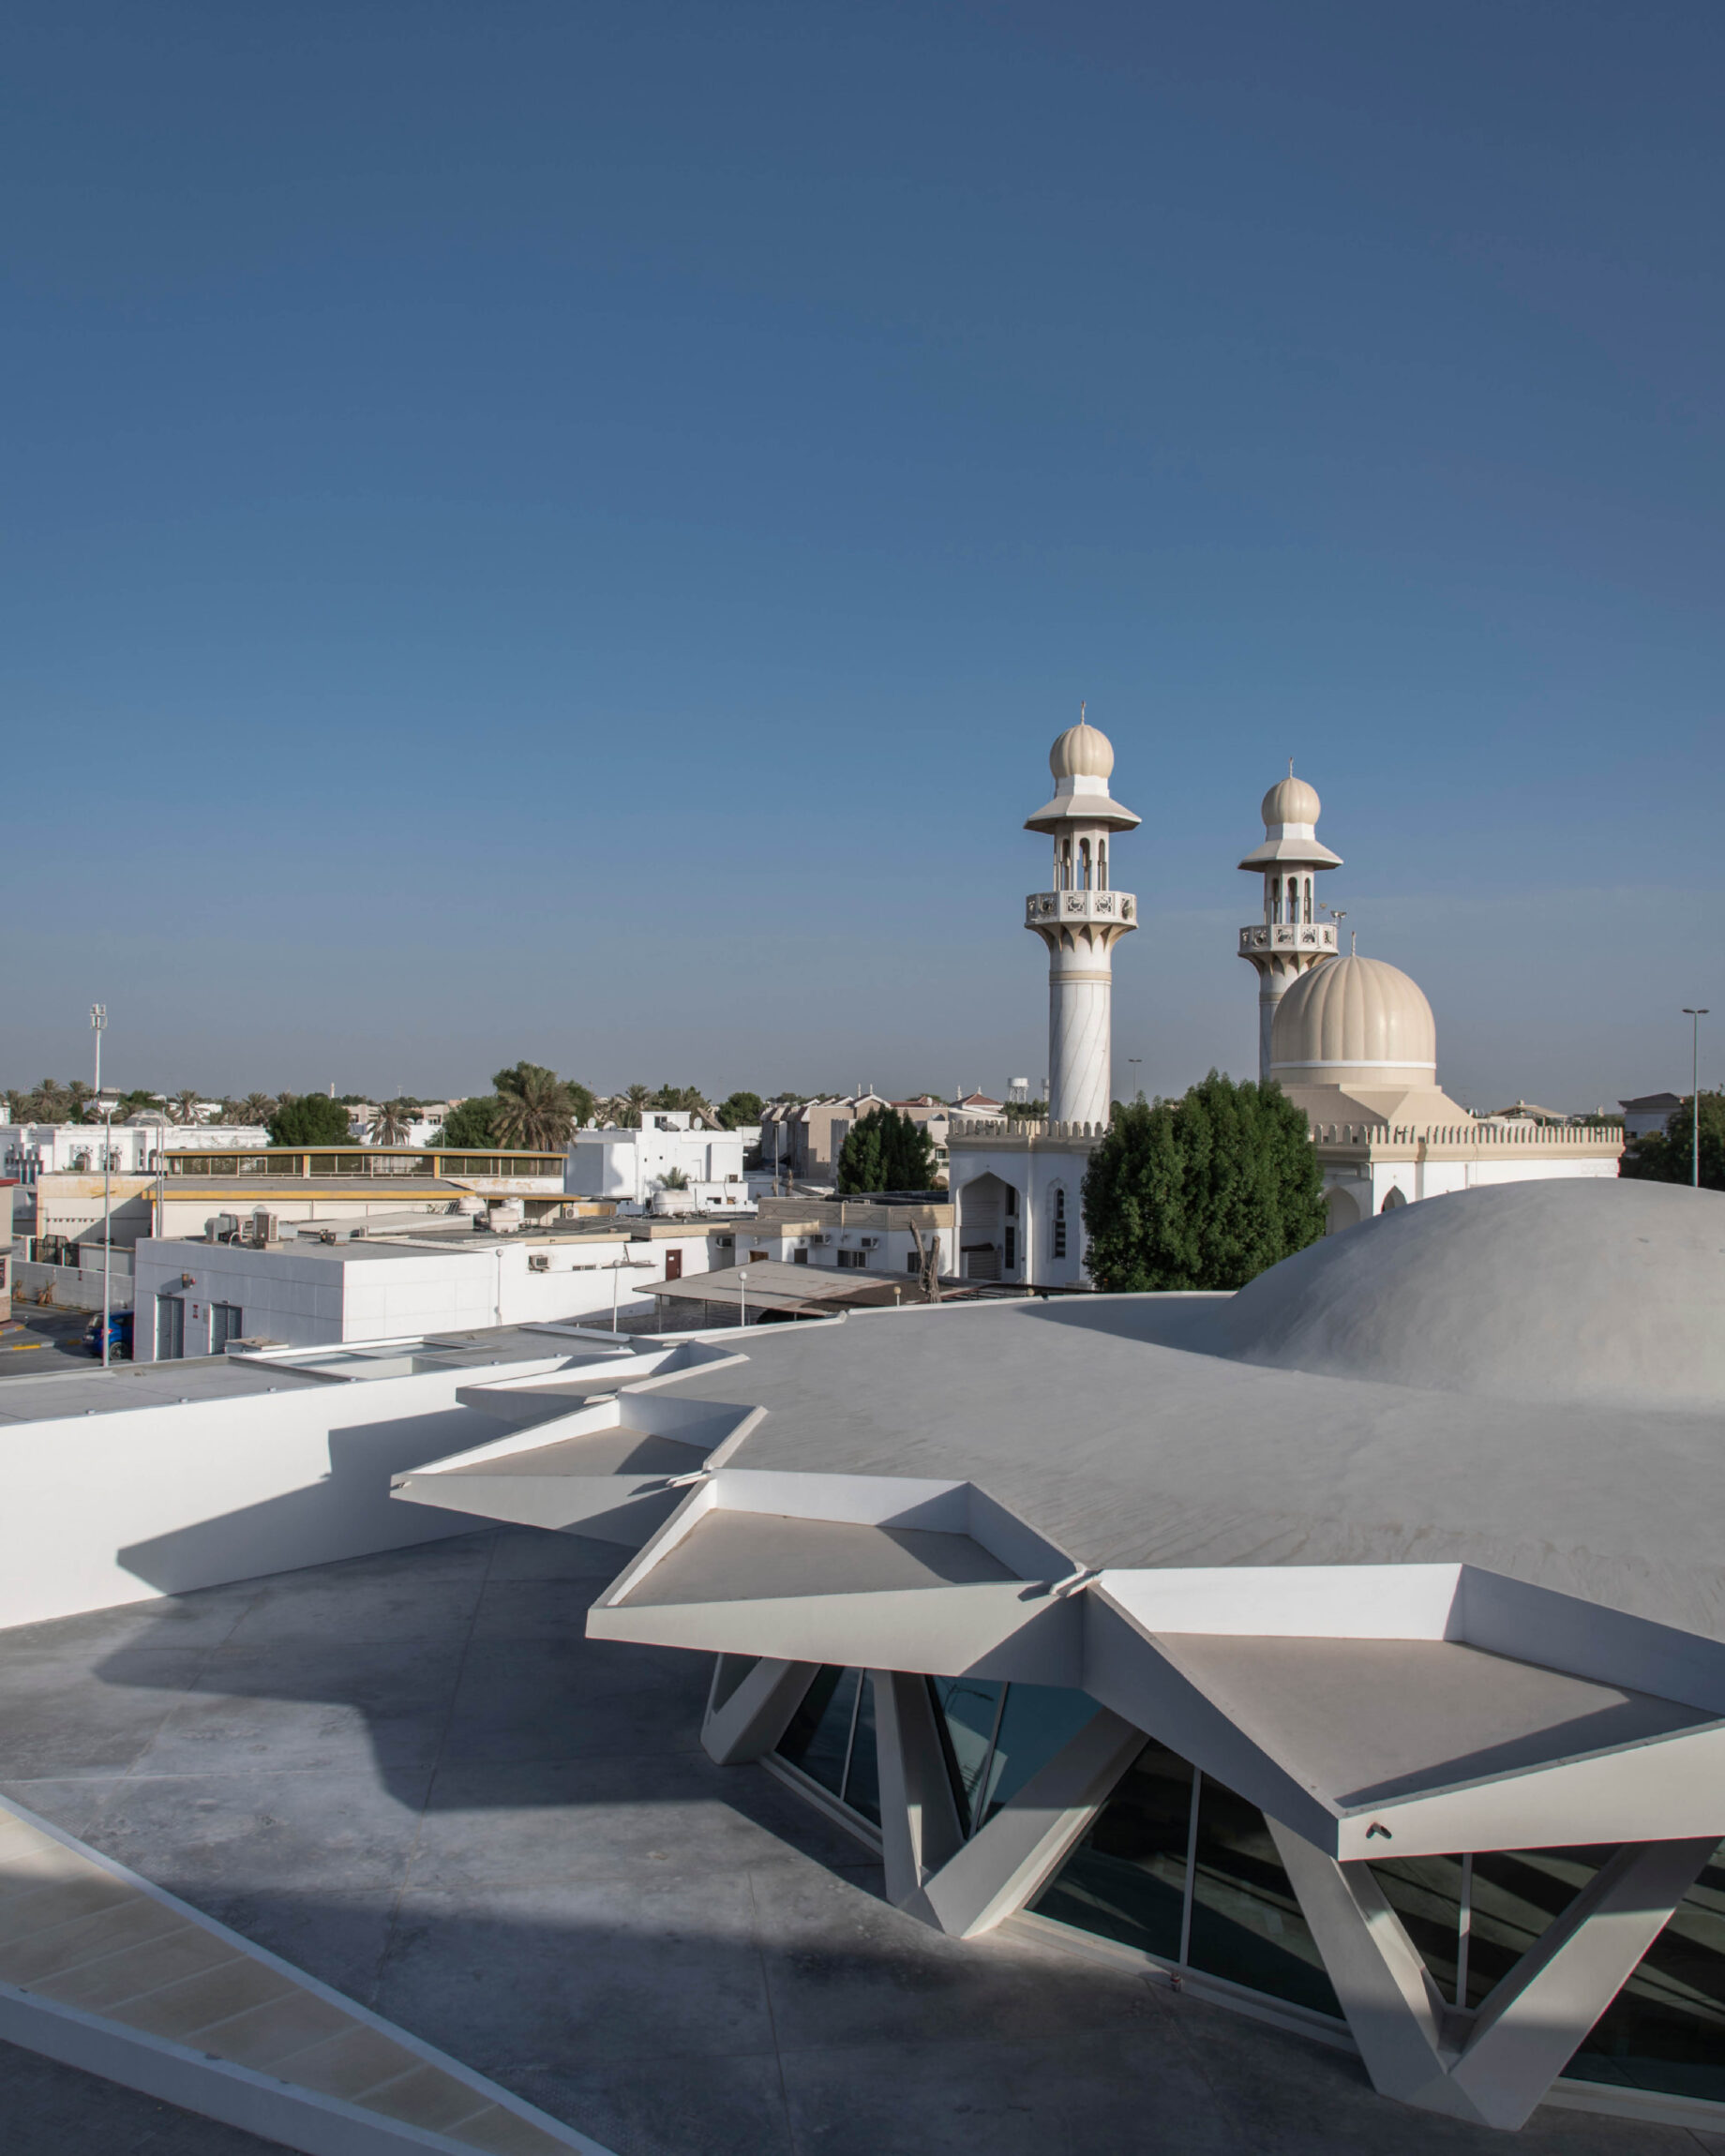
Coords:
pixel 413 1777
pixel 128 1385
pixel 1128 1429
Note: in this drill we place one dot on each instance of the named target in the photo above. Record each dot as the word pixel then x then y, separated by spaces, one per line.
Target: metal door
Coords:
pixel 170 1327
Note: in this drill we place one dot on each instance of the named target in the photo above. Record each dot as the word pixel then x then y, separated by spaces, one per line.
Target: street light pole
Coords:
pixel 98 1026
pixel 1695 1014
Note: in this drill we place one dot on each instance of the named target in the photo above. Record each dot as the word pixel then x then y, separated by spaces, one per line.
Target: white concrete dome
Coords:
pixel 1542 1291
pixel 1082 752
pixel 1290 801
pixel 1356 1015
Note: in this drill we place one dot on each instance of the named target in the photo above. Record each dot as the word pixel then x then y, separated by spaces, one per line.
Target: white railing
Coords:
pixel 1573 1135
pixel 1288 936
pixel 1045 907
pixel 1022 1127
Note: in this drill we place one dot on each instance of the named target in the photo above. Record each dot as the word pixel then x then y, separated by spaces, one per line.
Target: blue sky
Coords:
pixel 568 530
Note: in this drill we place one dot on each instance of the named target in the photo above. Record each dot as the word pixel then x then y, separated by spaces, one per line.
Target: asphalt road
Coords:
pixel 33 1341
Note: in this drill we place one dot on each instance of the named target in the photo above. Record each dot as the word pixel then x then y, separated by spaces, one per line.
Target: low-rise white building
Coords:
pixel 867 1234
pixel 354 1282
pixel 630 1165
pixel 136 1146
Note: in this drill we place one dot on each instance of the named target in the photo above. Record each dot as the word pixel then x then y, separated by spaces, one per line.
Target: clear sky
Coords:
pixel 567 530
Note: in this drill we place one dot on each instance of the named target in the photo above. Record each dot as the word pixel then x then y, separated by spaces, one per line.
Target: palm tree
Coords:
pixel 535 1108
pixel 674 1180
pixel 388 1125
pixel 257 1108
pixel 637 1099
pixel 50 1104
pixel 184 1106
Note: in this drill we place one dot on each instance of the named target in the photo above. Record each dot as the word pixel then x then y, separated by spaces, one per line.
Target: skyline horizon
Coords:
pixel 576 532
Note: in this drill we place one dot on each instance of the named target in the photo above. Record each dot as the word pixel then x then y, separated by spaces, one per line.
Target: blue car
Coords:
pixel 119 1336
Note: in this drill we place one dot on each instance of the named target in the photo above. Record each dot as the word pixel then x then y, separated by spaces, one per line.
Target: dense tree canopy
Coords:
pixel 740 1108
pixel 886 1151
pixel 309 1120
pixel 471 1125
pixel 1668 1156
pixel 1204 1191
pixel 536 1109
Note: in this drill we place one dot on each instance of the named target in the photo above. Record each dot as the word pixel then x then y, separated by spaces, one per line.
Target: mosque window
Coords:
pixel 1308 898
pixel 1057 1236
pixel 996 1736
pixel 1084 864
pixel 1180 1866
pixel 832 1740
pixel 1066 864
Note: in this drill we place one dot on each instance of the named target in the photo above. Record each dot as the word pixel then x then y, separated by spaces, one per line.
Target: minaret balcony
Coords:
pixel 1318 935
pixel 1044 908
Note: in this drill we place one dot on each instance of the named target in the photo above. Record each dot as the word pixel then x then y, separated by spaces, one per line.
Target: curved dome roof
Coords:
pixel 1290 801
pixel 1082 752
pixel 1595 1290
pixel 1353 1014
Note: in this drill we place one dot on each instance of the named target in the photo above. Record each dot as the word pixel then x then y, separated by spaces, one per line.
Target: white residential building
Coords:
pixel 630 1165
pixel 133 1147
pixel 363 1283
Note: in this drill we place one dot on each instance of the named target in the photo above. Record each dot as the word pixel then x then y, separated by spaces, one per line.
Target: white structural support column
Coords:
pixel 1492 2067
pixel 1007 1863
pixel 920 1831
pixel 750 1706
pixel 1080 1035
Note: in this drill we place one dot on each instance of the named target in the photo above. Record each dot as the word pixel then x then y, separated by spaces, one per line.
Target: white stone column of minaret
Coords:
pixel 1081 919
pixel 1290 940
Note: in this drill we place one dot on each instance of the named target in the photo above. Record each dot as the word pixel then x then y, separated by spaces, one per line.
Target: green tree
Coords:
pixel 536 1109
pixel 886 1151
pixel 309 1120
pixel 1202 1192
pixel 388 1125
pixel 737 1109
pixel 471 1126
pixel 688 1098
pixel 1668 1156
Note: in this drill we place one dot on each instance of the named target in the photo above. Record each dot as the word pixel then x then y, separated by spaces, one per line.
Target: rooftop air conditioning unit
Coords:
pixel 265 1226
pixel 222 1227
pixel 539 1260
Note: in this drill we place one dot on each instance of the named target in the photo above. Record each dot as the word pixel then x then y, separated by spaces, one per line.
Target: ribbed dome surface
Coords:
pixel 1082 752
pixel 1562 1290
pixel 1354 1013
pixel 1291 801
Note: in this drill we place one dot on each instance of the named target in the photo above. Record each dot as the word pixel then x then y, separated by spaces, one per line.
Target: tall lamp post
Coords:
pixel 98 1026
pixel 1695 1014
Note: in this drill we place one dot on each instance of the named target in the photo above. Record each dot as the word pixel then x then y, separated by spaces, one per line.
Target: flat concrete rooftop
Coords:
pixel 414 1777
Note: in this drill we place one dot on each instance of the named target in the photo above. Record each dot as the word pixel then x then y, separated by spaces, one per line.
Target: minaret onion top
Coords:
pixel 1081 761
pixel 1290 811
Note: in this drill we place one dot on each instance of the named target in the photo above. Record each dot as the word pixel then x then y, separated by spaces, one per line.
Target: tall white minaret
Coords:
pixel 1290 940
pixel 1081 919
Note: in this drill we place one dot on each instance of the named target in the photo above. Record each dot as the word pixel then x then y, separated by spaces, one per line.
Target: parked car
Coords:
pixel 119 1335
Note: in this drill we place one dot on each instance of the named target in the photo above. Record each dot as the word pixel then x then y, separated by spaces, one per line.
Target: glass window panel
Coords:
pixel 1426 1893
pixel 1665 2029
pixel 863 1783
pixel 1036 1722
pixel 967 1709
pixel 819 1732
pixel 1246 1924
pixel 1517 1893
pixel 1126 1880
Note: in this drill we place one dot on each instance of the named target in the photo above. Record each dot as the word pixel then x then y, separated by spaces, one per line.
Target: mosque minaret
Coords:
pixel 1081 918
pixel 1290 940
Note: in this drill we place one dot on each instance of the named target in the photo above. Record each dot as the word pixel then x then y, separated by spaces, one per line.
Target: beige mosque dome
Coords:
pixel 1290 801
pixel 1083 752
pixel 1353 1017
